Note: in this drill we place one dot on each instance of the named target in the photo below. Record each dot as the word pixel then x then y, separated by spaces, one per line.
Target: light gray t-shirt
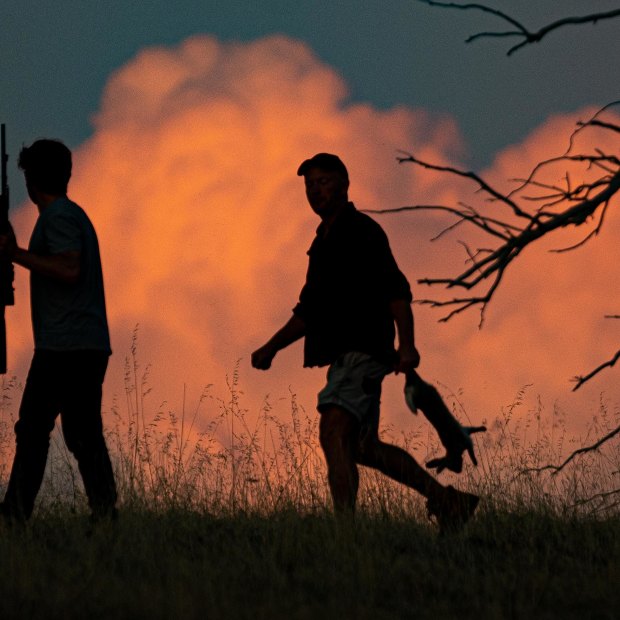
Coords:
pixel 68 317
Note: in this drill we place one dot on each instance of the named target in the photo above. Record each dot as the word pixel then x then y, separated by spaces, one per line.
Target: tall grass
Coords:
pixel 214 456
pixel 225 513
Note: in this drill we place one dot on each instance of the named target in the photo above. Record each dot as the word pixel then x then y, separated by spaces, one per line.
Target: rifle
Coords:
pixel 6 266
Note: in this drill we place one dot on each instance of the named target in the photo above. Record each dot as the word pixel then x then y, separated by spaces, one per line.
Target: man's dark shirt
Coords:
pixel 352 278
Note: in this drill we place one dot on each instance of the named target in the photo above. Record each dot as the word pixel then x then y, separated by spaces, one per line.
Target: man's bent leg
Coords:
pixel 451 507
pixel 339 435
pixel 37 413
pixel 83 429
pixel 397 464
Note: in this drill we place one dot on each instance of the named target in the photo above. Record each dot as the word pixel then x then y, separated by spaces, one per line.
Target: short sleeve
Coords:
pixel 63 233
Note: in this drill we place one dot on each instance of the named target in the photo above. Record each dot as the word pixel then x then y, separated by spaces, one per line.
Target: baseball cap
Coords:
pixel 323 161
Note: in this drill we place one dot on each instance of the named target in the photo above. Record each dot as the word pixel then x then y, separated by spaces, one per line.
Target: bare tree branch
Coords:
pixel 608 364
pixel 558 468
pixel 601 497
pixel 484 186
pixel 611 126
pixel 556 208
pixel 496 261
pixel 485 223
pixel 521 31
pixel 536 208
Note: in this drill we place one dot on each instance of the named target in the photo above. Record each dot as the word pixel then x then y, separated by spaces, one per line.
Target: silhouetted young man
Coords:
pixel 71 339
pixel 353 295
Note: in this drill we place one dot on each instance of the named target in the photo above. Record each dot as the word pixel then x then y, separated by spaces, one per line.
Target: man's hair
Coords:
pixel 47 165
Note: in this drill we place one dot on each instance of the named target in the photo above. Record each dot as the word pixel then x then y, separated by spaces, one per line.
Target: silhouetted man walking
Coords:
pixel 353 296
pixel 71 338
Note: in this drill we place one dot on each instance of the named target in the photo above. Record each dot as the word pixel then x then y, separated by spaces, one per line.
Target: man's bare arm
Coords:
pixel 408 356
pixel 292 331
pixel 64 266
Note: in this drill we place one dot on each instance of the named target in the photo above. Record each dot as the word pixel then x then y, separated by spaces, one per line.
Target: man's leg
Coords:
pixel 396 463
pixel 37 413
pixel 83 429
pixel 451 507
pixel 339 436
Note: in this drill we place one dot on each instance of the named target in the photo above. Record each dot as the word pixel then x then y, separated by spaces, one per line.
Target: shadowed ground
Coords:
pixel 186 565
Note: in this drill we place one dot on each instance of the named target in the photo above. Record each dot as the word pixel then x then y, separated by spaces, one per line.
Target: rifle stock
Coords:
pixel 6 266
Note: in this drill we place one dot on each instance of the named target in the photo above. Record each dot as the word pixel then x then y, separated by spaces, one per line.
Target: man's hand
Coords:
pixel 8 244
pixel 408 359
pixel 262 358
pixel 293 330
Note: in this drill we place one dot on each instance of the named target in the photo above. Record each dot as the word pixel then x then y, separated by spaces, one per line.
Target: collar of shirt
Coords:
pixel 322 229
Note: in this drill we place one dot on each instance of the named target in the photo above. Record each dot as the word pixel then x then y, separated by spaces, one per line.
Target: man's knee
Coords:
pixel 368 448
pixel 84 443
pixel 31 433
pixel 327 434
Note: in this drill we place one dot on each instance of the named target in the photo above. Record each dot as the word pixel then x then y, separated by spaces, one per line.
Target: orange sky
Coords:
pixel 190 180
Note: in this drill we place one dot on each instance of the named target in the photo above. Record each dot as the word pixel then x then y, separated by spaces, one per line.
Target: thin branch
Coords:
pixel 472 217
pixel 558 468
pixel 589 236
pixel 468 175
pixel 598 496
pixel 514 240
pixel 521 31
pixel 479 7
pixel 593 121
pixel 592 159
pixel 507 252
pixel 604 125
pixel 464 303
pixel 608 364
pixel 581 202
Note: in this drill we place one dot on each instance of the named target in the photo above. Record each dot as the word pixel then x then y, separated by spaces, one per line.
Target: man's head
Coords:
pixel 47 167
pixel 327 183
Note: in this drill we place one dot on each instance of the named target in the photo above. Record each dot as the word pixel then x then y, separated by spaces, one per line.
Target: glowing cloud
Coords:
pixel 190 181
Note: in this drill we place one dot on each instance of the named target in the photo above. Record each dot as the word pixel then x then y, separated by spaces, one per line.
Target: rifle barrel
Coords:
pixel 5 158
pixel 6 267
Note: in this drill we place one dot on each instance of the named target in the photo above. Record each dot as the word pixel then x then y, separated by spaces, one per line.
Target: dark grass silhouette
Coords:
pixel 236 522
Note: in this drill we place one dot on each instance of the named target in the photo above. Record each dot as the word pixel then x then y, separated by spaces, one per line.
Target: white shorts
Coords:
pixel 354 383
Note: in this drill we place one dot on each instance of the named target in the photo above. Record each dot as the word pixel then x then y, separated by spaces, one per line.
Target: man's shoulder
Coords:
pixel 364 224
pixel 67 210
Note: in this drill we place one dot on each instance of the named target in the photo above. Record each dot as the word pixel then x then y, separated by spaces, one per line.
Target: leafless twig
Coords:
pixel 520 31
pixel 579 381
pixel 600 497
pixel 514 238
pixel 556 208
pixel 536 208
pixel 558 468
